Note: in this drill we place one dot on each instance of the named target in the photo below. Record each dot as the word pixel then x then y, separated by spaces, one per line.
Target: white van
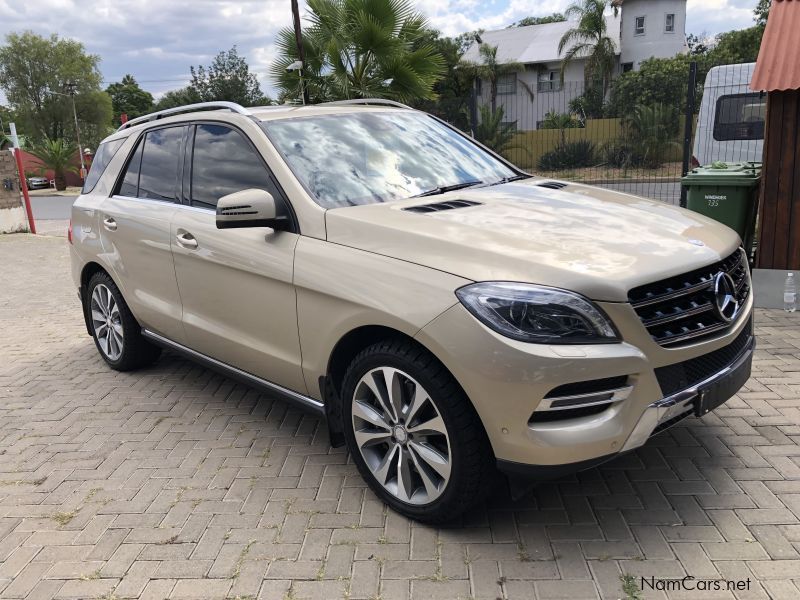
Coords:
pixel 730 126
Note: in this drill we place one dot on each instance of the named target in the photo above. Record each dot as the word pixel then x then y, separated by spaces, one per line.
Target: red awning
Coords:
pixel 778 67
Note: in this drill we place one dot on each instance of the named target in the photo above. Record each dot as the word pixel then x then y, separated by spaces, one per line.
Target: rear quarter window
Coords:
pixel 740 117
pixel 105 152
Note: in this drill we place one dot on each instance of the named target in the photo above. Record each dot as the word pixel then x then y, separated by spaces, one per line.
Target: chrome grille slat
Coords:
pixel 676 317
pixel 680 309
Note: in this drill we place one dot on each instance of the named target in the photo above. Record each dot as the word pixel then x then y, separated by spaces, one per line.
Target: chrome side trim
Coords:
pixel 296 398
pixel 669 407
pixel 609 396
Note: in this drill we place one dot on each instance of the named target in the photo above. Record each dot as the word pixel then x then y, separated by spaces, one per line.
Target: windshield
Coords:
pixel 369 157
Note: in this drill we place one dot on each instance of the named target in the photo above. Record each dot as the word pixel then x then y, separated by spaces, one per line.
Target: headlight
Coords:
pixel 533 313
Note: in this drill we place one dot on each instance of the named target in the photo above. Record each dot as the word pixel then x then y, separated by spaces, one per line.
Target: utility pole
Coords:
pixel 298 39
pixel 71 89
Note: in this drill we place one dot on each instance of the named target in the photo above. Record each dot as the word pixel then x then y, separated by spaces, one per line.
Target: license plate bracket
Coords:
pixel 721 390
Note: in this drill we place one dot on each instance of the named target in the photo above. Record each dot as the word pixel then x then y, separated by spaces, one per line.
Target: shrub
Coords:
pixel 572 155
pixel 620 154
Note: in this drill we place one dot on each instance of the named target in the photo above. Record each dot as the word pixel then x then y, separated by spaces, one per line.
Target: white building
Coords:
pixel 642 29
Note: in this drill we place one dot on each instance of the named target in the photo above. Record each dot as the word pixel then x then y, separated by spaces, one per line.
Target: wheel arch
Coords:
pixel 87 272
pixel 344 351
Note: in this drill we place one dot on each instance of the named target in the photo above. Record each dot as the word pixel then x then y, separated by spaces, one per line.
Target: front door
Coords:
pixel 239 303
pixel 135 230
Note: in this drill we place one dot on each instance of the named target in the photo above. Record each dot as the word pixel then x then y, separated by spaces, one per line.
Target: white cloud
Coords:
pixel 157 40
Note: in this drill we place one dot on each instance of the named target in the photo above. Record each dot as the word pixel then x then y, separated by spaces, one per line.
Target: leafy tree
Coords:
pixel 58 155
pixel 360 49
pixel 658 81
pixel 555 17
pixel 736 46
pixel 34 73
pixel 454 88
pixel 589 38
pixel 698 44
pixel 174 98
pixel 127 97
pixel 228 78
pixel 762 12
pixel 492 70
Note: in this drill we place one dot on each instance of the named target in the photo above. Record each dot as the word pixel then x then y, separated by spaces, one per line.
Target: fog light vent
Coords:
pixel 581 399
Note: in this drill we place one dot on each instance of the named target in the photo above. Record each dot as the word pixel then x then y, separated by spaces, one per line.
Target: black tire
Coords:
pixel 472 465
pixel 136 351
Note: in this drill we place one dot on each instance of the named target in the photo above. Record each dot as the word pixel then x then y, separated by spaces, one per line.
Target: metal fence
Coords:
pixel 569 131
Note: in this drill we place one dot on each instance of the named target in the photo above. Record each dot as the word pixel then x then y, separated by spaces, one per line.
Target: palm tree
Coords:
pixel 560 121
pixel 492 70
pixel 589 39
pixel 57 155
pixel 360 49
pixel 496 134
pixel 653 130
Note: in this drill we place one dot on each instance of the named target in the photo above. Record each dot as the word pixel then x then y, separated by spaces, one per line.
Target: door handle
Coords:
pixel 110 224
pixel 186 240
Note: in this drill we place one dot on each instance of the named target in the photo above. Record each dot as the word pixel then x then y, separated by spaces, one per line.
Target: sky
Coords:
pixel 157 40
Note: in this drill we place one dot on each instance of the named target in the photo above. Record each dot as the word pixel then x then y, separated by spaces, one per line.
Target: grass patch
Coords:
pixel 63 518
pixel 629 587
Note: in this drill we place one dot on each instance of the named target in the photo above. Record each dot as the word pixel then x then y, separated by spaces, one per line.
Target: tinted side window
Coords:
pixel 740 117
pixel 130 181
pixel 158 178
pixel 223 163
pixel 105 152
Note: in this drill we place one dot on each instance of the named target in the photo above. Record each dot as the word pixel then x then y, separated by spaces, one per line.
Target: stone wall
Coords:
pixel 12 211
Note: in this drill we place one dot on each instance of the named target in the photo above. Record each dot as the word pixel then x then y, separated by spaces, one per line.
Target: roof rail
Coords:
pixel 367 102
pixel 232 106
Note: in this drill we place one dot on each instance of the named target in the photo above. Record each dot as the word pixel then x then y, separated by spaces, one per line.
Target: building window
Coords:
pixel 549 81
pixel 626 67
pixel 507 84
pixel 638 28
pixel 669 23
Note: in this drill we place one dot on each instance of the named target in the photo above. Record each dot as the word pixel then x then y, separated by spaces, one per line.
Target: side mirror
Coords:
pixel 249 208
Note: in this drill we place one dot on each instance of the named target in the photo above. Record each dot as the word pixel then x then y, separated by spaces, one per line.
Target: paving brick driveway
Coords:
pixel 175 482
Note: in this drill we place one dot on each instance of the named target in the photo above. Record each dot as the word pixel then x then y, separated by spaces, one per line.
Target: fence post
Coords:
pixel 691 92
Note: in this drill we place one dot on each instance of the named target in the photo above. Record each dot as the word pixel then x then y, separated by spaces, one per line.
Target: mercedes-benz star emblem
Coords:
pixel 725 303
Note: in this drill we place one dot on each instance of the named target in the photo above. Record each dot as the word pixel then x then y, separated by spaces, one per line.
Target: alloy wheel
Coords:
pixel 107 322
pixel 401 435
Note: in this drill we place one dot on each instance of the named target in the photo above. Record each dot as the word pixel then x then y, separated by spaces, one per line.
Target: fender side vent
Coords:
pixel 553 185
pixel 439 206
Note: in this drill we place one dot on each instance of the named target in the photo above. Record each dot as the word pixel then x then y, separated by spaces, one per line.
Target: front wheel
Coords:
pixel 413 434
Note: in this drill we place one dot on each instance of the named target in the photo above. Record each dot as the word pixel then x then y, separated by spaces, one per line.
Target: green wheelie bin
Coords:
pixel 728 193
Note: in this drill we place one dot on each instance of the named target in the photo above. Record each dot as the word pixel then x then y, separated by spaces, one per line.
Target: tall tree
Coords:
pixel 360 49
pixel 555 17
pixel 492 70
pixel 34 73
pixel 228 78
pixel 174 98
pixel 127 97
pixel 762 12
pixel 589 39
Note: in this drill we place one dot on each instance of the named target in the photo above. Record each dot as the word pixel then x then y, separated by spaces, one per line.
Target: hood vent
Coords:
pixel 553 185
pixel 438 206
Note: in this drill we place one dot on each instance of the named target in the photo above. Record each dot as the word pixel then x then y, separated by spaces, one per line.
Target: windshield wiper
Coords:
pixel 448 188
pixel 510 179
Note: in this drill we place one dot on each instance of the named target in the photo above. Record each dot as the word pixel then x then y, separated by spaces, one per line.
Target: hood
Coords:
pixel 590 240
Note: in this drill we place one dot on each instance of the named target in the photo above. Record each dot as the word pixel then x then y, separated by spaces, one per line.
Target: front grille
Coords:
pixel 681 310
pixel 677 377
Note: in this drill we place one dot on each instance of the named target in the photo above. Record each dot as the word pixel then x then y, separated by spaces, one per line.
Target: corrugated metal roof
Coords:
pixel 534 43
pixel 777 67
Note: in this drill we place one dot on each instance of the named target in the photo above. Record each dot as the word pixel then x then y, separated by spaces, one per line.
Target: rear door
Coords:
pixel 239 303
pixel 135 230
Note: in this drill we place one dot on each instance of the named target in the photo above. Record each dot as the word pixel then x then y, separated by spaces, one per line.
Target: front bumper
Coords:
pixel 508 381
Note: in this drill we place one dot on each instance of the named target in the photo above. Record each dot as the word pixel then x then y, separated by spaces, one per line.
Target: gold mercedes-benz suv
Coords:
pixel 448 314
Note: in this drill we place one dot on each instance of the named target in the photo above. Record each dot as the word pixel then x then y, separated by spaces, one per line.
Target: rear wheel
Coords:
pixel 116 333
pixel 413 434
